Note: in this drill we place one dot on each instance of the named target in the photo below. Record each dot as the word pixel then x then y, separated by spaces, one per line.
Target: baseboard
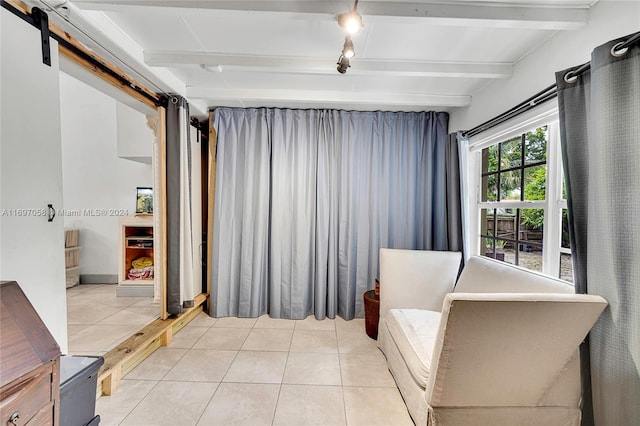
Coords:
pixel 130 290
pixel 98 278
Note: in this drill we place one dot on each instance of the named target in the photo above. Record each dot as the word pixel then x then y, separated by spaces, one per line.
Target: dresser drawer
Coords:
pixel 43 418
pixel 28 398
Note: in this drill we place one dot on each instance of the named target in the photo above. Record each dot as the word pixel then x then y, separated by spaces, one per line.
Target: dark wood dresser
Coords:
pixel 29 363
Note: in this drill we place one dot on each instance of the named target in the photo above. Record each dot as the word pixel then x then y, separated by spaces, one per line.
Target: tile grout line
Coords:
pixel 174 365
pixel 97 290
pixel 281 384
pixel 208 402
pixel 344 401
pixel 286 362
pixel 139 402
pixel 237 353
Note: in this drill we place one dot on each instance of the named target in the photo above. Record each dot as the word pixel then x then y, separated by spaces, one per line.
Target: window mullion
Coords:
pixel 499 175
pixel 522 140
pixel 552 215
pixel 513 204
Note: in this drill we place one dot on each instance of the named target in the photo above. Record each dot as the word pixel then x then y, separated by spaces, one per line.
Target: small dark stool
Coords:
pixel 371 313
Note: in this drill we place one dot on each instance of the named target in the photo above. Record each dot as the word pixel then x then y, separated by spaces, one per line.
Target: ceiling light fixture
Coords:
pixel 343 64
pixel 351 21
pixel 347 50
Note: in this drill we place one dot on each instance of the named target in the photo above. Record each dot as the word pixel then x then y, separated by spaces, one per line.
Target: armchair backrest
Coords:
pixel 507 349
pixel 484 275
pixel 416 279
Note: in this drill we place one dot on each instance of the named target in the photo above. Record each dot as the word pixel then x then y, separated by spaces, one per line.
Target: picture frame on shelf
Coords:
pixel 144 200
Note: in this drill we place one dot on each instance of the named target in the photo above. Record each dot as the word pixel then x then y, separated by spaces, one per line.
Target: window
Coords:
pixel 521 208
pixel 515 170
pixel 566 265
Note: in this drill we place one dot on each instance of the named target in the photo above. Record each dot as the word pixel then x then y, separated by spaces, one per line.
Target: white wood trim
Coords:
pixel 499 15
pixel 552 205
pixel 552 215
pixel 222 62
pixel 538 204
pixel 267 95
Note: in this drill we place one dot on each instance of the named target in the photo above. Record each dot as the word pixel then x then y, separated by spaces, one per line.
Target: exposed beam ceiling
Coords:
pixel 412 55
pixel 225 62
pixel 278 95
pixel 495 15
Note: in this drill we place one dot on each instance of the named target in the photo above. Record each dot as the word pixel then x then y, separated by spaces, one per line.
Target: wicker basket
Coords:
pixel 71 237
pixel 71 257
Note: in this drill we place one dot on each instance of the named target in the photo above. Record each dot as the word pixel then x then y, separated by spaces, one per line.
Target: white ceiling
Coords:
pixel 412 56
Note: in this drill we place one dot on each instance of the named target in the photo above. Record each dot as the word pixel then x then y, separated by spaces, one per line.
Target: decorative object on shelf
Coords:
pixel 144 200
pixel 136 267
pixel 141 268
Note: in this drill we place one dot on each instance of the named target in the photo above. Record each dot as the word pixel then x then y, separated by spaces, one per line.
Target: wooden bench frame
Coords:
pixel 128 354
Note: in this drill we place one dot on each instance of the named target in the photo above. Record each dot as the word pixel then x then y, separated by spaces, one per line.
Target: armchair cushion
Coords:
pixel 414 332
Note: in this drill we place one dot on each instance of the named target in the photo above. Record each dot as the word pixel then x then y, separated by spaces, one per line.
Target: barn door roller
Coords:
pixel 42 21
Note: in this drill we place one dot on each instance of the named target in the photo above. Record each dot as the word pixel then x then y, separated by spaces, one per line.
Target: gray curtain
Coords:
pixel 182 191
pixel 600 135
pixel 305 199
pixel 454 240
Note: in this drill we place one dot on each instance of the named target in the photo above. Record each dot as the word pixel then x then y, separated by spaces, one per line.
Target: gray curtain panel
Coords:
pixel 574 101
pixel 177 122
pixel 305 199
pixel 600 135
pixel 453 190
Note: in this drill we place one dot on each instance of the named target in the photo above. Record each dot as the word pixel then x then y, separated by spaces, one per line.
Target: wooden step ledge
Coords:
pixel 128 354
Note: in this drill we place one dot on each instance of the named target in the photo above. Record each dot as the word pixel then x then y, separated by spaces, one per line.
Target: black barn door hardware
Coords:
pixel 42 22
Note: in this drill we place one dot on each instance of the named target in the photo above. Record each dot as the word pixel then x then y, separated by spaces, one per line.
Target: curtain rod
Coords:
pixel 544 95
pixel 547 93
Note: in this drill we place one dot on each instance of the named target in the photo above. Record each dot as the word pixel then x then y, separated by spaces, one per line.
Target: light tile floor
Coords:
pixel 97 320
pixel 236 371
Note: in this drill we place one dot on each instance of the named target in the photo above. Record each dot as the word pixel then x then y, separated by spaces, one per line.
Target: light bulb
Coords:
pixel 348 51
pixel 354 23
pixel 351 22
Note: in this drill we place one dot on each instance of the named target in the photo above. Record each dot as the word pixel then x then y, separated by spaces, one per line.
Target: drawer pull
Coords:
pixel 14 418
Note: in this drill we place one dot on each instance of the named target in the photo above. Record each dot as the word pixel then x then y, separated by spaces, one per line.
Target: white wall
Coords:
pixel 31 248
pixel 608 20
pixel 134 141
pixel 93 175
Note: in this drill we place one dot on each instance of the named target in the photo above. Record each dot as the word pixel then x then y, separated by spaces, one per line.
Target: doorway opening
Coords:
pixel 107 156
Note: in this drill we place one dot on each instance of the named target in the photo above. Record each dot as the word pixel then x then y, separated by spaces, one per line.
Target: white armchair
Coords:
pixel 500 350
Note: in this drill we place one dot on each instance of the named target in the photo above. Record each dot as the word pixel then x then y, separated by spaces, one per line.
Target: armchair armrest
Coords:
pixel 416 279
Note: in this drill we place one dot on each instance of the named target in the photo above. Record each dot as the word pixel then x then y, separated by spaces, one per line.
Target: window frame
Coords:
pixel 553 203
